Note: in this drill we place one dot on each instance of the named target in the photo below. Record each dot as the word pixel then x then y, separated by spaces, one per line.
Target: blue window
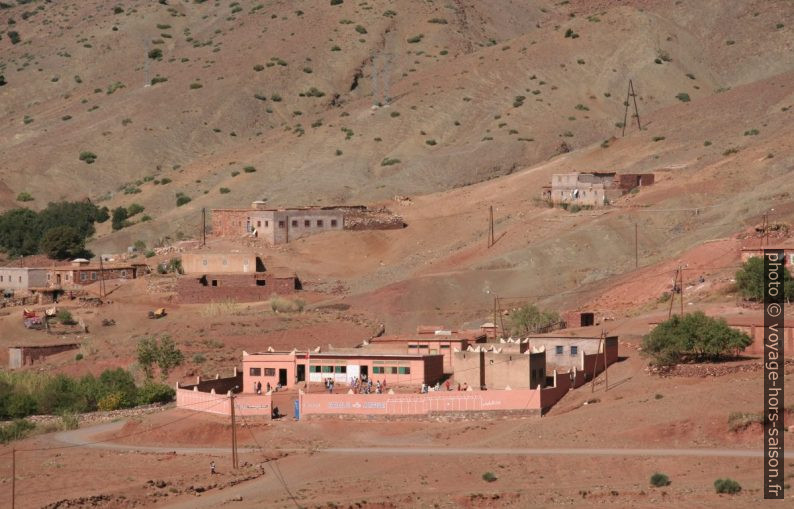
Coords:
pixel 574 350
pixel 558 349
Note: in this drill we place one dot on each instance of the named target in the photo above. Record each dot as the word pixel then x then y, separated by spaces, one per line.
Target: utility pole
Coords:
pixel 13 476
pixel 672 293
pixel 490 229
pixel 495 301
pixel 234 432
pixel 203 226
pixel 681 269
pixel 631 94
pixel 636 249
pixel 101 278
pixel 606 364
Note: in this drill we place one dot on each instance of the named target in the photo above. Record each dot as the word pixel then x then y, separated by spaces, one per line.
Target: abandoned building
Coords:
pixel 593 189
pixel 429 339
pixel 280 226
pixel 19 356
pixel 231 276
pixel 750 252
pixel 342 365
pixel 81 272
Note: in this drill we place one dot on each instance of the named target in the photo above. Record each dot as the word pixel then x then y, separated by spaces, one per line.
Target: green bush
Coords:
pixel 19 405
pixel 195 86
pixel 163 353
pixel 88 157
pixel 360 29
pixel 336 2
pixel 155 54
pixel 750 280
pixel 119 218
pixel 65 317
pixel 683 97
pixel 110 402
pixel 659 480
pixel 14 37
pixel 489 477
pixel 529 318
pixel 415 39
pixel 133 209
pixel 182 199
pixel 249 169
pixel 15 431
pixel 152 392
pixel 24 196
pixel 728 486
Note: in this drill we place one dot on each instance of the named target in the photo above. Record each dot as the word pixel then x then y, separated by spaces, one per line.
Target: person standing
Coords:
pixel 212 468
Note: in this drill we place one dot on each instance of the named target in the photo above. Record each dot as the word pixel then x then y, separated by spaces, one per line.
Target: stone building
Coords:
pixel 82 272
pixel 280 226
pixel 212 276
pixel 22 278
pixel 429 340
pixel 593 189
pixel 493 368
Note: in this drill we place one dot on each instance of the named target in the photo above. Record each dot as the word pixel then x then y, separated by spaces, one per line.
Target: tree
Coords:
pixel 119 220
pixel 694 336
pixel 528 318
pixel 62 242
pixel 750 280
pixel 164 353
pixel 19 232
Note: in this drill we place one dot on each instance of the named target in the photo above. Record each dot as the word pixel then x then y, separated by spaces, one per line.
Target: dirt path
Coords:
pixel 82 437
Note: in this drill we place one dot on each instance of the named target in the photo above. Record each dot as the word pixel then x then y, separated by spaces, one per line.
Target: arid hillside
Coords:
pixel 362 101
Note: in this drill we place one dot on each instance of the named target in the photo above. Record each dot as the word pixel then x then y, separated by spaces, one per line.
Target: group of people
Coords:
pixel 427 388
pixel 329 385
pixel 258 387
pixel 366 386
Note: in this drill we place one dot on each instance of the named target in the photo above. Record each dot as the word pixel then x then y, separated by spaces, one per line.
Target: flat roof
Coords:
pixel 336 355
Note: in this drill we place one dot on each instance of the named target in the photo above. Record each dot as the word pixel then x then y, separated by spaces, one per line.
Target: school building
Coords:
pixel 288 369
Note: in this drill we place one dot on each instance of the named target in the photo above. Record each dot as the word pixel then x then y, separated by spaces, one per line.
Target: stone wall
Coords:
pixel 19 356
pixel 238 287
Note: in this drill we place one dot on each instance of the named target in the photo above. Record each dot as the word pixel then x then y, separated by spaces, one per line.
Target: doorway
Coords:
pixel 364 373
pixel 301 372
pixel 282 377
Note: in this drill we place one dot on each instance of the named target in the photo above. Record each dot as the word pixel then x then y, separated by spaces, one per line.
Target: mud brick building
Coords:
pixel 493 368
pixel 593 189
pixel 22 278
pixel 750 252
pixel 81 272
pixel 211 276
pixel 280 226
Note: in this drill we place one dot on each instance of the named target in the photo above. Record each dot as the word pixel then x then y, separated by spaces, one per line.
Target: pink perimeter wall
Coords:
pixel 419 404
pixel 244 404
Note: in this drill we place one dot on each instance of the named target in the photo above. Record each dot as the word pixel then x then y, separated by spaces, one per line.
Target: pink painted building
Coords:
pixel 290 368
pixel 429 339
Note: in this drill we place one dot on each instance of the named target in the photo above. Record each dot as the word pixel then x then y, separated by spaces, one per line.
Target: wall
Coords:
pixel 228 222
pixel 19 278
pixel 291 224
pixel 419 404
pixel 219 263
pixel 219 404
pixel 219 385
pixel 756 332
pixel 19 356
pixel 238 287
